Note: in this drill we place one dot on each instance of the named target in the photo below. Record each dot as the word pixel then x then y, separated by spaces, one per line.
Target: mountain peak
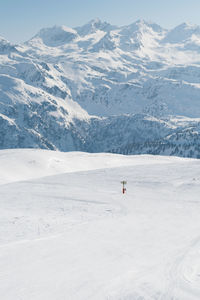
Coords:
pixel 187 25
pixel 142 25
pixel 142 22
pixel 93 26
pixel 56 36
pixel 4 41
pixel 95 22
pixel 6 46
pixel 182 33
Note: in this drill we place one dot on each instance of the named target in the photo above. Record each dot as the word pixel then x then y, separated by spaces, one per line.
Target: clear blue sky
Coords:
pixel 22 19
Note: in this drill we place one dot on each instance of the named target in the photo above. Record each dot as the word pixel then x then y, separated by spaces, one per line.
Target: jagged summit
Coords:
pixel 140 35
pixel 3 40
pixel 94 25
pixel 140 32
pixel 6 47
pixel 141 24
pixel 97 23
pixel 56 36
pixel 142 27
pixel 182 33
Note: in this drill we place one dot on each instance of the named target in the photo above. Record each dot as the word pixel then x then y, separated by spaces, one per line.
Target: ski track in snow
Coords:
pixel 185 274
pixel 73 235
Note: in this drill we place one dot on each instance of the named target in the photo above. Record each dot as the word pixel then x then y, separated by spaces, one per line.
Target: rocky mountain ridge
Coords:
pixel 99 87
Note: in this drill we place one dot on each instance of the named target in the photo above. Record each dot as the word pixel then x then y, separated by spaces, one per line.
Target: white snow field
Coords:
pixel 68 233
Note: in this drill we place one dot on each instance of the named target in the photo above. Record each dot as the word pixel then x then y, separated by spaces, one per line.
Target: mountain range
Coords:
pixel 101 88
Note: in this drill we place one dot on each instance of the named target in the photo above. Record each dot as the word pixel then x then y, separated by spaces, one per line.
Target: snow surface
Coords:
pixel 67 231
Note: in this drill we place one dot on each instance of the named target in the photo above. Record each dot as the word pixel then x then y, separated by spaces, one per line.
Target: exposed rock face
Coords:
pixel 131 89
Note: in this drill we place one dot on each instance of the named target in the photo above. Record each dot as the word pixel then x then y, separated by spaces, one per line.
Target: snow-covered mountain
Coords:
pixel 99 87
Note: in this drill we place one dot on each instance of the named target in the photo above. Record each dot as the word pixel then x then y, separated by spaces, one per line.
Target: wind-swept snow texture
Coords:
pixel 140 84
pixel 67 231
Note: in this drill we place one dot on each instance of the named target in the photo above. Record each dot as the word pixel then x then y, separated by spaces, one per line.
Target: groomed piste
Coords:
pixel 68 232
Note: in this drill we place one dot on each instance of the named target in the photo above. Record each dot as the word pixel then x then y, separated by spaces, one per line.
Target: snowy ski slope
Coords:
pixel 67 232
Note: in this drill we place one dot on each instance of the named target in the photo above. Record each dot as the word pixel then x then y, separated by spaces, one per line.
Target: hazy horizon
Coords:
pixel 28 17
